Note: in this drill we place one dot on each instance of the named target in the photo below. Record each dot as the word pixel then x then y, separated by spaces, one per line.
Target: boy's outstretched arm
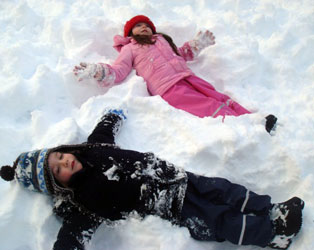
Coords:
pixel 108 127
pixel 76 230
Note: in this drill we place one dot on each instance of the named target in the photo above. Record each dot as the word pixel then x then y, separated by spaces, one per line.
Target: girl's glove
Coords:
pixel 201 41
pixel 89 71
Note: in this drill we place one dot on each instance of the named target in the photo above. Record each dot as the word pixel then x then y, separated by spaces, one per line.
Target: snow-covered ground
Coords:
pixel 263 58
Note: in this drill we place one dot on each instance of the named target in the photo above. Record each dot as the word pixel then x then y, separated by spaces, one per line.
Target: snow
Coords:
pixel 263 58
pixel 111 173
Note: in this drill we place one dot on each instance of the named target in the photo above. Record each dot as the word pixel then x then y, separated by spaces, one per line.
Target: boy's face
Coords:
pixel 142 29
pixel 63 166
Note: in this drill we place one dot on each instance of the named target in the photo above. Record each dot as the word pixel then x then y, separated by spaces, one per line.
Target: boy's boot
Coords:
pixel 287 221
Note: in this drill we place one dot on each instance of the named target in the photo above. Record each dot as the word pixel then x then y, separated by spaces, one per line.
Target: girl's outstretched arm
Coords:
pixel 108 127
pixel 98 71
pixel 191 49
pixel 107 75
pixel 201 41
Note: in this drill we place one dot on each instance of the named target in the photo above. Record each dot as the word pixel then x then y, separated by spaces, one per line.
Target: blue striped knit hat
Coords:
pixel 30 170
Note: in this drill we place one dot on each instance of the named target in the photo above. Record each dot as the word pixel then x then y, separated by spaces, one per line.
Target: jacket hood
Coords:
pixel 120 41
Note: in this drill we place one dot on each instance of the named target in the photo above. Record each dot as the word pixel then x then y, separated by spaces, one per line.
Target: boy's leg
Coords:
pixel 223 192
pixel 243 229
pixel 209 221
pixel 216 209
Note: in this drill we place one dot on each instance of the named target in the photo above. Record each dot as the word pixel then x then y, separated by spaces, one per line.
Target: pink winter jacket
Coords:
pixel 160 67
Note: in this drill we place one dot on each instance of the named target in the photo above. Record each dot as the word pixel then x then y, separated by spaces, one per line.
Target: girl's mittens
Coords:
pixel 89 71
pixel 201 41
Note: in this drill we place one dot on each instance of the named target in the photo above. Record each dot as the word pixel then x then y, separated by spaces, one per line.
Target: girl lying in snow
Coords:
pixel 163 66
pixel 97 181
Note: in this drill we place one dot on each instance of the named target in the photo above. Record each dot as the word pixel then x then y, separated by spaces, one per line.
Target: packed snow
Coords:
pixel 263 58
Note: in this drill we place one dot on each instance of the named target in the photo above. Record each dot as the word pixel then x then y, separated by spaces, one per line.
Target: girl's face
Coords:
pixel 142 29
pixel 63 166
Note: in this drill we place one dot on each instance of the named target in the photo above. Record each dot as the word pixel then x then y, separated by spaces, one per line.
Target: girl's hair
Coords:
pixel 143 40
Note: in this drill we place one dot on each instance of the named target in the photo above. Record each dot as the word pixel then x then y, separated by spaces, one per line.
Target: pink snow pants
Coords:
pixel 198 97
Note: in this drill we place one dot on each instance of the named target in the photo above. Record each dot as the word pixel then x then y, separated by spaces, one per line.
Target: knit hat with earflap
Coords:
pixel 135 20
pixel 31 170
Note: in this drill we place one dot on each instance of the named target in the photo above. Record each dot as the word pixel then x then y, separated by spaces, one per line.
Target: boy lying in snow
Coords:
pixel 97 181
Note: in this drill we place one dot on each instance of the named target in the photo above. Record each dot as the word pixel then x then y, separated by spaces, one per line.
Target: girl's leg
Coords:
pixel 230 107
pixel 240 110
pixel 200 98
pixel 183 96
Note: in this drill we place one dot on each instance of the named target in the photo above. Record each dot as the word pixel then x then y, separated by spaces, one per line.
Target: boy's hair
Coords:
pixel 143 40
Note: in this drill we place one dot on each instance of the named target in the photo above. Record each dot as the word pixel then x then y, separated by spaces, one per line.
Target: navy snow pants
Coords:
pixel 215 209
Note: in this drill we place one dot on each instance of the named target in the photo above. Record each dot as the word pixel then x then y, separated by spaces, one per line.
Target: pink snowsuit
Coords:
pixel 168 75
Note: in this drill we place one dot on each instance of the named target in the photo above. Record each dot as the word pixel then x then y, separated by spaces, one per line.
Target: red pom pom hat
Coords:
pixel 135 20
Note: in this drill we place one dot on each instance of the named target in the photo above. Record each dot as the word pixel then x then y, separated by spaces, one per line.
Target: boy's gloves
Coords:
pixel 89 71
pixel 120 112
pixel 201 41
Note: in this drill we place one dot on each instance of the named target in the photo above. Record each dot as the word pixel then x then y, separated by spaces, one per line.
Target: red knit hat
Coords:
pixel 135 20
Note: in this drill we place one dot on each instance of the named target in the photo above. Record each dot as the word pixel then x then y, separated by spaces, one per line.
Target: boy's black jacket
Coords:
pixel 112 183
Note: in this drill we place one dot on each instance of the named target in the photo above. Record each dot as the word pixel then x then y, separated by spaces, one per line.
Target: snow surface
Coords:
pixel 263 58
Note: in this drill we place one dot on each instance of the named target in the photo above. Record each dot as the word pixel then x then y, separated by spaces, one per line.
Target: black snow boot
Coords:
pixel 270 123
pixel 287 221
